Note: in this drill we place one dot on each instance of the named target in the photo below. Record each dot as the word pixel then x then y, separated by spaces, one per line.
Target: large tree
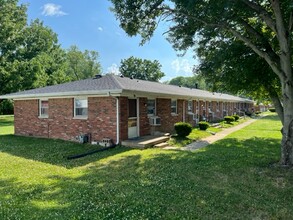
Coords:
pixel 195 81
pixel 265 26
pixel 141 69
pixel 30 55
pixel 82 64
pixel 230 66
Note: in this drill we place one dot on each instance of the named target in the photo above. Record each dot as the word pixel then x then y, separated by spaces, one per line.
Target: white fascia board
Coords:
pixel 130 93
pixel 64 94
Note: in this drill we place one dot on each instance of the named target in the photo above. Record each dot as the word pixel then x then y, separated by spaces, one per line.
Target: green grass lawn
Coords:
pixel 234 178
pixel 6 124
pixel 197 134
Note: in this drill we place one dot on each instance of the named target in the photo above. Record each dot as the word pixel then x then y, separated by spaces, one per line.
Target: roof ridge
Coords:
pixel 113 77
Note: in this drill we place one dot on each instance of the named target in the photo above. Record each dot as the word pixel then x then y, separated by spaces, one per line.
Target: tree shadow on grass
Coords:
pixel 52 151
pixel 228 179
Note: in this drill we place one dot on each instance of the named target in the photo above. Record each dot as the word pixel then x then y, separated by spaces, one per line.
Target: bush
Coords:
pixel 183 129
pixel 272 109
pixel 229 119
pixel 203 125
pixel 236 117
pixel 6 107
pixel 248 113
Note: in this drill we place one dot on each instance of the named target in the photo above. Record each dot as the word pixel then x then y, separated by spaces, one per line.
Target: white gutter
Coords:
pixel 117 121
pixel 62 94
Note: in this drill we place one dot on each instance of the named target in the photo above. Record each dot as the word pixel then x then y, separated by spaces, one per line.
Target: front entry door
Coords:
pixel 132 118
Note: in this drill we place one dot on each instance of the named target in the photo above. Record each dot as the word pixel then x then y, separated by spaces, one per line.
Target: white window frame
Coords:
pixel 40 109
pixel 190 106
pixel 172 107
pixel 155 107
pixel 80 116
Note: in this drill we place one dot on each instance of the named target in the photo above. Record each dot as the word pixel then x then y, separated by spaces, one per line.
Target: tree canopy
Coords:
pixel 82 65
pixel 195 81
pixel 31 57
pixel 141 69
pixel 265 26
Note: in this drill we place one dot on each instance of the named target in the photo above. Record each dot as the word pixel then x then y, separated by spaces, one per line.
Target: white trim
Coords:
pixel 63 94
pixel 74 108
pixel 117 121
pixel 137 114
pixel 176 112
pixel 40 109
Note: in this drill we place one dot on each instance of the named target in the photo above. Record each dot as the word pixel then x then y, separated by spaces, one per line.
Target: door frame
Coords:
pixel 137 119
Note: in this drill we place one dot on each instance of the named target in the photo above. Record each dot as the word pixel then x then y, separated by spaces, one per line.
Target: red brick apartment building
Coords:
pixel 116 107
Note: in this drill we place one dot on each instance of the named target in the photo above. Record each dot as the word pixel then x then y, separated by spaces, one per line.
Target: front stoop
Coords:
pixel 147 142
pixel 153 142
pixel 162 145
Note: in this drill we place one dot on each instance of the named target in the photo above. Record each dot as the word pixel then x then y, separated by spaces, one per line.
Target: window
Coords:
pixel 44 108
pixel 151 107
pixel 190 106
pixel 80 107
pixel 132 108
pixel 174 106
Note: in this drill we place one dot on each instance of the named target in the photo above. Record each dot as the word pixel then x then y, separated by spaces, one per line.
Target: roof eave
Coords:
pixel 115 92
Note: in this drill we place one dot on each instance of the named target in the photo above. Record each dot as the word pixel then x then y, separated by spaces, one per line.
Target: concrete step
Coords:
pixel 162 145
pixel 152 142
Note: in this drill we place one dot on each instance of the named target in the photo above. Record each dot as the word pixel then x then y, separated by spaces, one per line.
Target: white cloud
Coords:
pixel 182 66
pixel 100 29
pixel 113 69
pixel 51 9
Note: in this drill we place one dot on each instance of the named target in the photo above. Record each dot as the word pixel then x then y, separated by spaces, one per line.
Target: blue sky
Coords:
pixel 91 25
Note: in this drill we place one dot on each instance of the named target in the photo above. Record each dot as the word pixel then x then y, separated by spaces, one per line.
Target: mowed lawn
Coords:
pixel 235 178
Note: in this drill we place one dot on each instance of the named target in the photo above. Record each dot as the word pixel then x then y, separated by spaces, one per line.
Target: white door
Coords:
pixel 132 118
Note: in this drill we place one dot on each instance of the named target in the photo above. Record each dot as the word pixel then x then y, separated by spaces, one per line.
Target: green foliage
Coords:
pixel 203 125
pixel 31 57
pixel 82 65
pixel 195 81
pixel 272 109
pixel 236 117
pixel 183 129
pixel 6 107
pixel 141 69
pixel 229 119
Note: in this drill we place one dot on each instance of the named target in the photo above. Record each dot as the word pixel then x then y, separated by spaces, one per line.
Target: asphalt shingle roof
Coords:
pixel 113 83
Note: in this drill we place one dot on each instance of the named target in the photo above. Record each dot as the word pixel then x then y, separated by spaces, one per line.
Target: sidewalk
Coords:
pixel 213 138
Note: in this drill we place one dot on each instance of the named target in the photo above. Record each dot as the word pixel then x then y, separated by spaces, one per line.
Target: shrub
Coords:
pixel 203 125
pixel 248 113
pixel 229 119
pixel 183 129
pixel 272 109
pixel 6 107
pixel 236 117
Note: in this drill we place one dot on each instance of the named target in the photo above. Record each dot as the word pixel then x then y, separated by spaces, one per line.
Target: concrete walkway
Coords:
pixel 213 138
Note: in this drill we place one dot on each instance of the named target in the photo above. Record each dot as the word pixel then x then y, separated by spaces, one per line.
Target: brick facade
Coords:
pixel 61 124
pixel 101 121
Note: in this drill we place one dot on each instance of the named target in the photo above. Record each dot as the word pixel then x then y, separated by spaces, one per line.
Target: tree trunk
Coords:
pixel 287 130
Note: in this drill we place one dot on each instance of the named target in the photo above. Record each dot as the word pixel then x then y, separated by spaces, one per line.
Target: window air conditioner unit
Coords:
pixel 155 120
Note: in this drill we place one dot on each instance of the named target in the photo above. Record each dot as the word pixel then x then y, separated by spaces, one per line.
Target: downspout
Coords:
pixel 117 121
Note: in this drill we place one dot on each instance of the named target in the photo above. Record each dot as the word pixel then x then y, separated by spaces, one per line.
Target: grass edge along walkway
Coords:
pixel 213 138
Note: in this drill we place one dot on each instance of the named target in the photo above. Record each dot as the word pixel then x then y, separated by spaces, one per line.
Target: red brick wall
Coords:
pixel 144 123
pixel 101 120
pixel 26 121
pixel 123 118
pixel 164 112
